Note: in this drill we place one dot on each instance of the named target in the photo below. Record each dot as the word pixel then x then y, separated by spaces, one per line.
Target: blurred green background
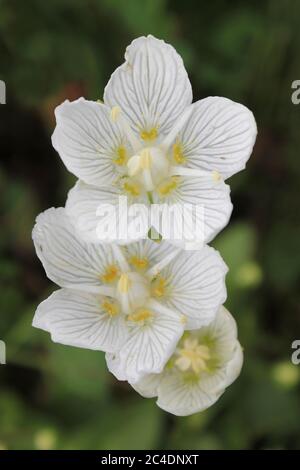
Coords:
pixel 56 397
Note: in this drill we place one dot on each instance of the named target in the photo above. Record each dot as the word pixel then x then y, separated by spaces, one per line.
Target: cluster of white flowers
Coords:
pixel 154 308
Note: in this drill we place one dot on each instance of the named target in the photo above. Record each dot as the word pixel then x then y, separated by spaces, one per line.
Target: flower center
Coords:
pixel 178 154
pixel 132 291
pixel 121 156
pixel 158 287
pixel 140 315
pixel 149 135
pixel 110 307
pixel 192 356
pixel 139 263
pixel 110 274
pixel 149 167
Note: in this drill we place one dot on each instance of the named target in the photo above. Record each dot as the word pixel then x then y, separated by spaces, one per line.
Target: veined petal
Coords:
pixel 149 345
pixel 77 318
pixel 223 331
pixel 91 145
pixel 148 385
pixel 182 391
pixel 114 366
pixel 226 357
pixel 205 209
pixel 94 209
pixel 67 259
pixel 148 253
pixel 235 365
pixel 219 135
pixel 195 285
pixel 151 87
pixel 183 398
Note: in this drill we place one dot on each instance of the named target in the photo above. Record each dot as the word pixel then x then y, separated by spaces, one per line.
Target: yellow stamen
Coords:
pixel 132 188
pixel 164 189
pixel 110 274
pixel 149 135
pixel 121 158
pixel 178 153
pixel 111 308
pixel 159 287
pixel 193 356
pixel 140 315
pixel 124 283
pixel 115 113
pixel 139 263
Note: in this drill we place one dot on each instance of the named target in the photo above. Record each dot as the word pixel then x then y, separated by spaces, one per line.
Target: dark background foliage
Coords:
pixel 53 396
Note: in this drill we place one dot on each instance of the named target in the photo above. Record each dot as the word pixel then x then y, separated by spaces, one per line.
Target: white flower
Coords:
pixel 135 301
pixel 149 142
pixel 204 364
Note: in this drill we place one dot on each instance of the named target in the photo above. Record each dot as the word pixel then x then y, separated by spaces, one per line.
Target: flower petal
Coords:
pixel 147 386
pixel 94 209
pixel 195 285
pixel 91 145
pixel 148 346
pixel 114 366
pixel 183 394
pixel 235 365
pixel 68 260
pixel 77 319
pixel 150 251
pixel 151 87
pixel 183 398
pixel 219 135
pixel 208 203
pixel 223 330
